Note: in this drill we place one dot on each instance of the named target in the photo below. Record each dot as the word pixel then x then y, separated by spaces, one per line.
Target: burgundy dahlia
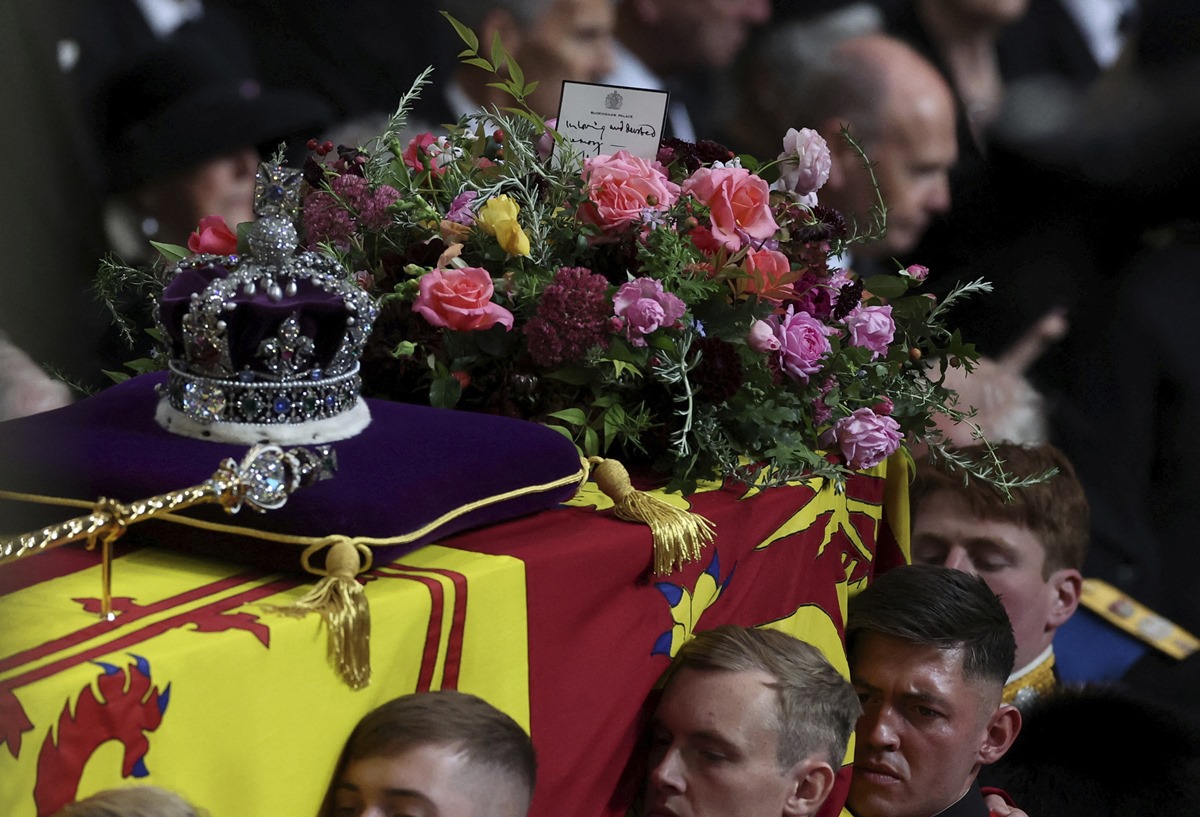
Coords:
pixel 572 317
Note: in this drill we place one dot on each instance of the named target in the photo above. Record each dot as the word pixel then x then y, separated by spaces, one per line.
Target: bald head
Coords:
pixel 901 110
pixel 879 82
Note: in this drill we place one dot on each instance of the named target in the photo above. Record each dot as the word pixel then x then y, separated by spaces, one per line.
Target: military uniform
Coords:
pixel 1114 639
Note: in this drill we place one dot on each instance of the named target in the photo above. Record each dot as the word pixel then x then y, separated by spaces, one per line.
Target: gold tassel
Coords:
pixel 679 536
pixel 342 603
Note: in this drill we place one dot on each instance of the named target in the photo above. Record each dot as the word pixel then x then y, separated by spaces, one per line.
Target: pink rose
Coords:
pixel 213 236
pixel 738 202
pixel 427 152
pixel 865 438
pixel 623 188
pixel 770 275
pixel 803 341
pixel 871 327
pixel 643 307
pixel 916 272
pixel 804 164
pixel 762 338
pixel 545 142
pixel 461 299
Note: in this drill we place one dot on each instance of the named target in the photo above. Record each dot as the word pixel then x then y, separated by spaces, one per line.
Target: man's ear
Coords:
pixel 1002 730
pixel 812 781
pixel 1067 587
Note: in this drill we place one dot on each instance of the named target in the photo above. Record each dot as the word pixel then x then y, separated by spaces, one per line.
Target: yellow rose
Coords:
pixel 498 217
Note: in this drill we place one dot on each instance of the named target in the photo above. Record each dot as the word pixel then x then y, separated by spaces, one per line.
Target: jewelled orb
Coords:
pixel 273 239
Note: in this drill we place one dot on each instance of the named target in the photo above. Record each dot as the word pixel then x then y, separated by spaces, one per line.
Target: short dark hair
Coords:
pixel 486 736
pixel 938 607
pixel 816 707
pixel 1056 510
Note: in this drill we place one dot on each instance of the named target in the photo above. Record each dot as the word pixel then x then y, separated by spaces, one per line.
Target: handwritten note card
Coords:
pixel 602 119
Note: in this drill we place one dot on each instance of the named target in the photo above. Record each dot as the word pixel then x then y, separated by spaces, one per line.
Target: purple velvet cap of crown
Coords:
pixel 254 319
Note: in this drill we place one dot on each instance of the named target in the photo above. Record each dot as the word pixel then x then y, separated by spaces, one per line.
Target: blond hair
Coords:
pixel 132 801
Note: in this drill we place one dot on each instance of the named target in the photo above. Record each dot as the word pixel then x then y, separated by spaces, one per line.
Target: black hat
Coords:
pixel 182 104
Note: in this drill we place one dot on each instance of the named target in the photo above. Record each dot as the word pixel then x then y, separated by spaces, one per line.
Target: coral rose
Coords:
pixel 738 201
pixel 770 275
pixel 865 438
pixel 460 299
pixel 621 189
pixel 213 236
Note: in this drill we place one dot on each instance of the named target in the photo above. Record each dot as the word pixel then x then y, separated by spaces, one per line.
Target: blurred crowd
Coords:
pixel 1046 146
pixel 1041 145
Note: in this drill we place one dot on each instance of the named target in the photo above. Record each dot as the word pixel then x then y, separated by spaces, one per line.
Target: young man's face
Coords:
pixel 713 748
pixel 923 731
pixel 432 780
pixel 1008 556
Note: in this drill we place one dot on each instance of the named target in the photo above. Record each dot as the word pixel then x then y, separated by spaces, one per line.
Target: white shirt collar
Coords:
pixel 1032 665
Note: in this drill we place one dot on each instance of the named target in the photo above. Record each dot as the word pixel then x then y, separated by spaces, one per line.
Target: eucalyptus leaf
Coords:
pixel 445 391
pixel 464 32
pixel 573 416
pixel 480 62
pixel 116 377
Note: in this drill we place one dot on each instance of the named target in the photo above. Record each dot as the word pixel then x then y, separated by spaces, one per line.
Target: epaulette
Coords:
pixel 1032 683
pixel 1136 619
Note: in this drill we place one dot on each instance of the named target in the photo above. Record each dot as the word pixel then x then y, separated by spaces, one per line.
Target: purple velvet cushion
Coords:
pixel 411 467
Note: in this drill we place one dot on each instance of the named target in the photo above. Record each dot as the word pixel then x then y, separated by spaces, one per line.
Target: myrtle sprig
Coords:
pixel 672 366
pixel 990 468
pixel 959 292
pixel 386 146
pixel 115 283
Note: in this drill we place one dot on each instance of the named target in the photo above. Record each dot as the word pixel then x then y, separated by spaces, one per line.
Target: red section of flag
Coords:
pixel 127 707
pixel 595 615
pixel 433 635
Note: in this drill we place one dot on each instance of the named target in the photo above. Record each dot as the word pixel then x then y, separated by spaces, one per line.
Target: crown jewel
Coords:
pixel 265 346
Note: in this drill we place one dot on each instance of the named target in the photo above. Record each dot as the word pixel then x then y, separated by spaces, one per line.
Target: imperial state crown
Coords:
pixel 265 346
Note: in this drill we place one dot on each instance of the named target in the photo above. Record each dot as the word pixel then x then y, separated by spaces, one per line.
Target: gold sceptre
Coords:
pixel 264 479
